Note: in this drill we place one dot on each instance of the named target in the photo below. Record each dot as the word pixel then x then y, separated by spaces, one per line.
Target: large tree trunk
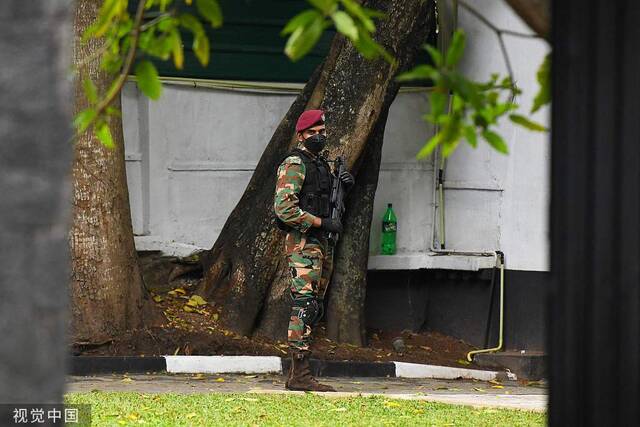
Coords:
pixel 536 13
pixel 34 208
pixel 347 291
pixel 245 271
pixel 107 293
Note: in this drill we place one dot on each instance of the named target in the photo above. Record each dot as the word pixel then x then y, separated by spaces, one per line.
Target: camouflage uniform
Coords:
pixel 309 254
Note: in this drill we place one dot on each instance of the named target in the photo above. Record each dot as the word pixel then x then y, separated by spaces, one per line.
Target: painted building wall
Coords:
pixel 191 154
pixel 494 200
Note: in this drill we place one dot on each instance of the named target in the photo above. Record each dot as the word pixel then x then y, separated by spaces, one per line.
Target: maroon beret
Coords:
pixel 308 119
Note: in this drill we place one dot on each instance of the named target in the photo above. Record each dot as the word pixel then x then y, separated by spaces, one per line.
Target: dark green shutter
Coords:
pixel 249 46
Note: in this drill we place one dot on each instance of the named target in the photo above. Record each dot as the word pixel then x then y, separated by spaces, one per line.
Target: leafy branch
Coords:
pixel 351 19
pixel 130 41
pixel 470 110
pixel 86 118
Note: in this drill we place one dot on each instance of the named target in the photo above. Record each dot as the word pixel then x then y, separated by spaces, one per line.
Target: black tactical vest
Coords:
pixel 316 190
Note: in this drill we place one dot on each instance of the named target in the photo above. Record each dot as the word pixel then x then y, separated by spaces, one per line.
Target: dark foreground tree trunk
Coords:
pixel 34 207
pixel 594 329
pixel 107 294
pixel 245 271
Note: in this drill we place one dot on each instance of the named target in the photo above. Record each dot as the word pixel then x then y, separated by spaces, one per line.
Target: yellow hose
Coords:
pixel 501 332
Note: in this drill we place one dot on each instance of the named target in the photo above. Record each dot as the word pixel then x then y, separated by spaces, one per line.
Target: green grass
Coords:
pixel 119 408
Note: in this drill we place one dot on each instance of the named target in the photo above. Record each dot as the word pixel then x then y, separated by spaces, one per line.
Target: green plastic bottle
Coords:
pixel 389 228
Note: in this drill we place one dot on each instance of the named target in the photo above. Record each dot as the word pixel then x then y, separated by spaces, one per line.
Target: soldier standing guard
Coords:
pixel 302 206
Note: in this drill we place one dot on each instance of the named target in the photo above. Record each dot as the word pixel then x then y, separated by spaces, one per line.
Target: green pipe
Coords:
pixel 501 331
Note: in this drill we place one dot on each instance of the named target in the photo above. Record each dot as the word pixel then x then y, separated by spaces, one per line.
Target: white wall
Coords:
pixel 508 207
pixel 191 154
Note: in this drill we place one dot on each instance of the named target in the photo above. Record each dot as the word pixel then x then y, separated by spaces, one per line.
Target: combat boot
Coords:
pixel 300 377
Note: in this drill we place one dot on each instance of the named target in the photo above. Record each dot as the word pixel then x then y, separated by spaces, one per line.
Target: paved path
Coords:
pixel 461 392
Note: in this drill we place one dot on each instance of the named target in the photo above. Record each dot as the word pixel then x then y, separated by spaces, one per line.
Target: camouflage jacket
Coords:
pixel 290 178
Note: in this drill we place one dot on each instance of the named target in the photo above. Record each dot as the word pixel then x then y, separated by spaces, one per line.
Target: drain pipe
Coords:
pixel 501 330
pixel 498 257
pixel 439 166
pixel 438 247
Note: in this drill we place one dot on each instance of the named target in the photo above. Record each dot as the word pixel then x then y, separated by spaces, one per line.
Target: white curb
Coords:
pixel 417 370
pixel 273 364
pixel 224 364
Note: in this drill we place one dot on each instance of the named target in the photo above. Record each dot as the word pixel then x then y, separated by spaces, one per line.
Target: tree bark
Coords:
pixel 347 291
pixel 536 13
pixel 245 271
pixel 107 293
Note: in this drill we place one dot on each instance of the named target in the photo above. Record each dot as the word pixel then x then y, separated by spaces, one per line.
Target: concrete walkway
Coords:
pixel 460 392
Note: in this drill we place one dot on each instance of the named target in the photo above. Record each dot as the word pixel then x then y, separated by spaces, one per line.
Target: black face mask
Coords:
pixel 315 143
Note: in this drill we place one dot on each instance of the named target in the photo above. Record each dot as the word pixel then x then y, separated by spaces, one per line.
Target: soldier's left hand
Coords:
pixel 347 179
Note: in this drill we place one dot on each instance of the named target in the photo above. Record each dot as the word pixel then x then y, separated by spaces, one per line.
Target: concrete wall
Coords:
pixel 191 154
pixel 494 200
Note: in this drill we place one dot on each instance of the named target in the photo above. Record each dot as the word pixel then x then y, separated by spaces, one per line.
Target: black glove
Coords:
pixel 331 225
pixel 347 179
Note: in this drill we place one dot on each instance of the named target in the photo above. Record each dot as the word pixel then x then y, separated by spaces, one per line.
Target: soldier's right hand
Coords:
pixel 331 225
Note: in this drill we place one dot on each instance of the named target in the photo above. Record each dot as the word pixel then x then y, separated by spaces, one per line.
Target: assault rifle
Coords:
pixel 337 197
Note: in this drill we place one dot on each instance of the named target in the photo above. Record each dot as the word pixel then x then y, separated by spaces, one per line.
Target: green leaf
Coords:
pixel 113 111
pixel 419 72
pixel 456 49
pixel 470 135
pixel 373 13
pixel 436 56
pixel 458 105
pixel 210 10
pixel 90 91
pixel 525 122
pixel 363 14
pixel 163 4
pixel 300 20
pixel 84 119
pixel 369 49
pixel 176 48
pixel 304 39
pixel 429 146
pixel 192 24
pixel 148 80
pixel 104 135
pixel 201 49
pixel 452 129
pixel 495 141
pixel 345 25
pixel 326 6
pixel 465 88
pixel 544 79
pixel 438 101
pixel 450 147
pixel 108 10
pixel 167 23
pixel 500 109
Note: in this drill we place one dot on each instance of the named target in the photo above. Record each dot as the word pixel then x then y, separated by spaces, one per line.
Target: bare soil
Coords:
pixel 197 332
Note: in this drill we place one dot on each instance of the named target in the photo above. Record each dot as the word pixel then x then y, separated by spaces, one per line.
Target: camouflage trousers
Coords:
pixel 310 261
